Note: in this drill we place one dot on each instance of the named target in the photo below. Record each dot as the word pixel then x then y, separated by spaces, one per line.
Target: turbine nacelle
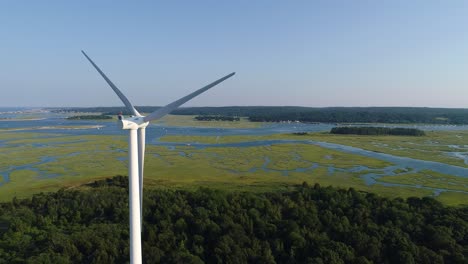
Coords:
pixel 133 122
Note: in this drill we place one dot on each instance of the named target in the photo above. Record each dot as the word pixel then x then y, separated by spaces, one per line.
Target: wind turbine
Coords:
pixel 136 124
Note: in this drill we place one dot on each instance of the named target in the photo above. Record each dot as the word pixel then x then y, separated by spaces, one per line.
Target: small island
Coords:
pixel 300 133
pixel 375 131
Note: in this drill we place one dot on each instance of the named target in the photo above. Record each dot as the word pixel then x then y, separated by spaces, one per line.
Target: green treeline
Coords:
pixel 217 118
pixel 310 224
pixel 89 117
pixel 406 115
pixel 397 131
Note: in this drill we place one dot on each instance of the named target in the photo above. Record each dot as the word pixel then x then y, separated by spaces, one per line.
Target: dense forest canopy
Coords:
pixel 310 224
pixel 216 118
pixel 312 114
pixel 397 131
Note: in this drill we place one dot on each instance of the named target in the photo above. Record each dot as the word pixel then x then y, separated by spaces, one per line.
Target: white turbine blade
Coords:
pixel 170 107
pixel 141 165
pixel 116 90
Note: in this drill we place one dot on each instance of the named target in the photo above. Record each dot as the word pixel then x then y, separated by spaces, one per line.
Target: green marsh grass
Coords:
pixel 429 179
pixel 432 147
pixel 82 159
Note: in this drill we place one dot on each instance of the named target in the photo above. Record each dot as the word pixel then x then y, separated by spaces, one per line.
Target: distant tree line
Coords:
pixel 89 117
pixel 404 115
pixel 311 114
pixel 397 131
pixel 217 118
pixel 300 133
pixel 310 224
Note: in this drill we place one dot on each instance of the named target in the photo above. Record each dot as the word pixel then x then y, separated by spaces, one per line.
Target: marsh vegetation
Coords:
pixel 35 162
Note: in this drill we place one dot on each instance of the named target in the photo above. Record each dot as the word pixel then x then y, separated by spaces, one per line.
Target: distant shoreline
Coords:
pixel 20 119
pixel 52 127
pixel 394 115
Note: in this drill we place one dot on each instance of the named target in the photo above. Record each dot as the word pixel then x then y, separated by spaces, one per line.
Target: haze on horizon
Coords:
pixel 306 53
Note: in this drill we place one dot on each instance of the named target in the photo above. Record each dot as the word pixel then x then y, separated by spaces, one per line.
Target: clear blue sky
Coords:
pixel 308 53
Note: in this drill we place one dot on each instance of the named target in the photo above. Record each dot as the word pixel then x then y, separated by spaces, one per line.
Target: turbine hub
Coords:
pixel 133 122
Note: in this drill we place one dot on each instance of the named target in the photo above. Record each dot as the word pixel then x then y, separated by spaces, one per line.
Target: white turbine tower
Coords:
pixel 136 155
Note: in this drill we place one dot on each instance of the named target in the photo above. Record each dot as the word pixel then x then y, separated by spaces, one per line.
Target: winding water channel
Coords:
pixel 370 176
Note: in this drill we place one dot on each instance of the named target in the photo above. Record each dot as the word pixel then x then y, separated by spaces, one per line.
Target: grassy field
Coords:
pixel 39 162
pixel 430 179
